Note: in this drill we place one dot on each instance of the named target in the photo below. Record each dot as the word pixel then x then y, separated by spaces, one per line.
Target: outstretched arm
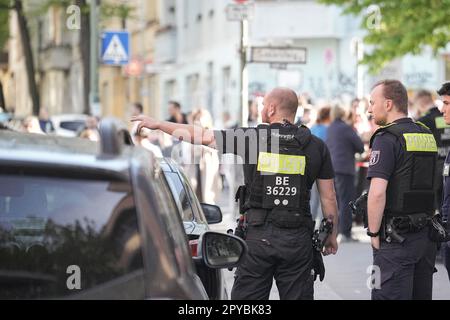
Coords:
pixel 184 132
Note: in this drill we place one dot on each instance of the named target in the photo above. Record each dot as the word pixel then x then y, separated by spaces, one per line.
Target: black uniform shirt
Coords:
pixel 387 153
pixel 244 143
pixel 429 119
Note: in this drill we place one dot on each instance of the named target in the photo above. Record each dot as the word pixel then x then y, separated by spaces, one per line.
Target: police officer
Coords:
pixel 434 120
pixel 281 163
pixel 401 197
pixel 444 92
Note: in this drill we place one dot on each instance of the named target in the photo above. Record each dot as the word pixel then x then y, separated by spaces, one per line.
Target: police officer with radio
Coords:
pixel 444 92
pixel 401 197
pixel 281 163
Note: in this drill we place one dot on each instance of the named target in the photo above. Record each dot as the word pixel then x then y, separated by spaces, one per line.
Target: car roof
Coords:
pixel 35 150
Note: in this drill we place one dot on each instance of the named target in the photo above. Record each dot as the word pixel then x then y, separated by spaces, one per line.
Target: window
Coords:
pixel 180 195
pixel 62 237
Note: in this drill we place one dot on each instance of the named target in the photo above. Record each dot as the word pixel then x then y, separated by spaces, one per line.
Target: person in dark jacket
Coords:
pixel 343 143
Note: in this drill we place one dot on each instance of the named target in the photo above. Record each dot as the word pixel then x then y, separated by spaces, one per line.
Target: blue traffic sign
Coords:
pixel 115 48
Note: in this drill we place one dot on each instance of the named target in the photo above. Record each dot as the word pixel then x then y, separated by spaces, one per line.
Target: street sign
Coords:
pixel 240 12
pixel 278 55
pixel 115 48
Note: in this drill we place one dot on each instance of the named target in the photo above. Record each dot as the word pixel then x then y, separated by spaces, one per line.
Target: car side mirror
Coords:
pixel 221 251
pixel 213 214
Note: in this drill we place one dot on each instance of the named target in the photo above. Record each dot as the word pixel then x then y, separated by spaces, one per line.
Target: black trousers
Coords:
pixel 447 257
pixel 406 269
pixel 345 191
pixel 283 254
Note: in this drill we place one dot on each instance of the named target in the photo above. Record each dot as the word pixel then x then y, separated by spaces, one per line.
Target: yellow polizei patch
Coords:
pixel 422 142
pixel 281 163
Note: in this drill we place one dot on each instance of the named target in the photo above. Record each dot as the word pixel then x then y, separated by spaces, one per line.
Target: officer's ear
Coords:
pixel 389 105
pixel 272 110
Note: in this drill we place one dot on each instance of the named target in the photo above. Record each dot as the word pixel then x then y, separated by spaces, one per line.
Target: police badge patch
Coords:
pixel 374 158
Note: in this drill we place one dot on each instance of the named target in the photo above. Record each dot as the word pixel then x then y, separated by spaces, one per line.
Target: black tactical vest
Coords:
pixel 410 189
pixel 279 179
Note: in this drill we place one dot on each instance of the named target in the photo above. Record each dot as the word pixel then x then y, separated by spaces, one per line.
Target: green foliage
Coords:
pixel 122 11
pixel 405 27
pixel 4 22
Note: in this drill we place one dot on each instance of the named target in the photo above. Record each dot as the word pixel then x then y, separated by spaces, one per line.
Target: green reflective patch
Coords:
pixel 281 163
pixel 422 142
pixel 440 123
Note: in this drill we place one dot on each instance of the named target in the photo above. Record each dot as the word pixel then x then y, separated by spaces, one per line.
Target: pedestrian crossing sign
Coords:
pixel 115 48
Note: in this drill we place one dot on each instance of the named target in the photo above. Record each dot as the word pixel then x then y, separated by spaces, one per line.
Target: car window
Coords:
pixel 65 237
pixel 197 208
pixel 72 125
pixel 180 195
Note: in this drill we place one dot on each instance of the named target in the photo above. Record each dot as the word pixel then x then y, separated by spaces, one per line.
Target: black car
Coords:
pixel 196 218
pixel 84 220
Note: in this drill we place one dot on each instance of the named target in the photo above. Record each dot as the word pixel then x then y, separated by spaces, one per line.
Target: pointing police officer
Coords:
pixel 281 163
pixel 444 92
pixel 401 197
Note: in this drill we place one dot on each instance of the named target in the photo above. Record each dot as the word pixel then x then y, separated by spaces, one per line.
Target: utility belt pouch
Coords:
pixel 287 219
pixel 256 217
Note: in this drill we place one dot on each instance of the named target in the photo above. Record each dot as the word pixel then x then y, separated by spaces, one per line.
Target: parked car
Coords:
pixel 86 220
pixel 196 218
pixel 68 125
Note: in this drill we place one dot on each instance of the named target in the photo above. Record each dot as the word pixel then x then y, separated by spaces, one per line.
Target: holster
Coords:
pixel 438 230
pixel 256 217
pixel 240 198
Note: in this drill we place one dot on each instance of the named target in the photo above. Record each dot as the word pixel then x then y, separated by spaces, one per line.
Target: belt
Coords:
pixel 409 223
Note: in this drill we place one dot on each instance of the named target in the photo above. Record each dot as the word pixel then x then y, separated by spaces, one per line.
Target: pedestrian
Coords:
pixel 175 113
pixel 281 163
pixel 45 123
pixel 344 142
pixel 401 197
pixel 434 120
pixel 444 92
pixel 90 129
pixel 31 125
pixel 319 129
pixel 136 110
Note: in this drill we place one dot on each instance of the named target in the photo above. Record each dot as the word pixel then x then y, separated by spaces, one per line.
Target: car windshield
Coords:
pixel 61 237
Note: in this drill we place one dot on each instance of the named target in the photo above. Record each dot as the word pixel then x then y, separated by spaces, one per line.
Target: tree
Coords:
pixel 396 28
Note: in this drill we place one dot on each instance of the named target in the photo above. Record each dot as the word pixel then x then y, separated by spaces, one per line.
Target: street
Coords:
pixel 346 273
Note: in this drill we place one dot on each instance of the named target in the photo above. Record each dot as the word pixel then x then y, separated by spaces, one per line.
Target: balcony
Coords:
pixel 55 58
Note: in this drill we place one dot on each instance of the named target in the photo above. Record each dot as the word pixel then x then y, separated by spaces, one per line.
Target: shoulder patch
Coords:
pixel 374 157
